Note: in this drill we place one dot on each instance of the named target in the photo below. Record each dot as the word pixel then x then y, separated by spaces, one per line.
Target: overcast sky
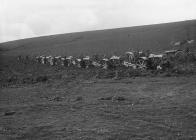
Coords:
pixel 30 18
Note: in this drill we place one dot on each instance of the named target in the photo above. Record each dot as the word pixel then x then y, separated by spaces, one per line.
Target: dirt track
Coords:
pixel 158 108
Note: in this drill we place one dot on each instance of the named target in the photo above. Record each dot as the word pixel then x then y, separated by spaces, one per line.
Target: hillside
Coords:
pixel 42 102
pixel 154 37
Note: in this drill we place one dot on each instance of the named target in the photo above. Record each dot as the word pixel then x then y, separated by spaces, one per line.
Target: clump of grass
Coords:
pixel 41 79
pixel 12 79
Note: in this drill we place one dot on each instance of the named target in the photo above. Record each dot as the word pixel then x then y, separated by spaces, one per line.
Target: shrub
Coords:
pixel 134 72
pixel 12 79
pixel 41 79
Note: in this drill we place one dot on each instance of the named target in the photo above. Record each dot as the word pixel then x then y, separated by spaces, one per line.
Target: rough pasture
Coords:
pixel 42 102
pixel 74 106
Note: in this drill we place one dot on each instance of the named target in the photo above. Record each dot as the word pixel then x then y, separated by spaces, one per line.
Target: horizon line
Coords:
pixel 104 29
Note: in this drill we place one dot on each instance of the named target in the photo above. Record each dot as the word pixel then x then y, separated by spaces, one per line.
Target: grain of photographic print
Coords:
pixel 97 69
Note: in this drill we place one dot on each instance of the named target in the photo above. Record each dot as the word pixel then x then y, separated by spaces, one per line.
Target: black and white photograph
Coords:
pixel 97 69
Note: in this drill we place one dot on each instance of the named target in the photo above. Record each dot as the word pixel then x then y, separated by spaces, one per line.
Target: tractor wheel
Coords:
pixel 142 64
pixel 180 55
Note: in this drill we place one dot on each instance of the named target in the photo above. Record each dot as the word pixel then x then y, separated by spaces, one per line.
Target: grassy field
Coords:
pixel 73 106
pixel 38 102
pixel 154 37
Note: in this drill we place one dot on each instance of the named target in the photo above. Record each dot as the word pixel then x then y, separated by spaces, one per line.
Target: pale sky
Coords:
pixel 31 18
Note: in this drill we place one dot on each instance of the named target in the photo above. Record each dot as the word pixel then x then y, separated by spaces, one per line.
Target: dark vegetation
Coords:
pixel 41 102
pixel 28 71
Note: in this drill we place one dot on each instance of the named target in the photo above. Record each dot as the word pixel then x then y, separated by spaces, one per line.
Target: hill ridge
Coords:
pixel 156 37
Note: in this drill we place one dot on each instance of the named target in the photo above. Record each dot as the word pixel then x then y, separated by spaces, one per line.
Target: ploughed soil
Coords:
pixel 40 102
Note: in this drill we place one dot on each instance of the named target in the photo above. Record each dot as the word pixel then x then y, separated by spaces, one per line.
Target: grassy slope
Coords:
pixel 81 108
pixel 154 108
pixel 154 37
